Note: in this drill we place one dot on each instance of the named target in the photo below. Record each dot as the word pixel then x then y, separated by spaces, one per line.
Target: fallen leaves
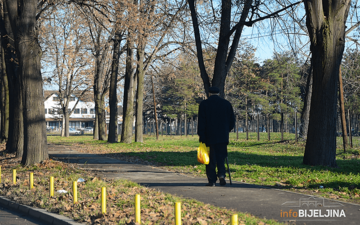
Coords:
pixel 157 207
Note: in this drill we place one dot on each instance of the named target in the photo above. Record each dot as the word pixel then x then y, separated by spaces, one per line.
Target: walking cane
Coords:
pixel 227 161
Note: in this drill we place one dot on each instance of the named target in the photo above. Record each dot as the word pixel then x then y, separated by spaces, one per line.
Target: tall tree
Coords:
pixel 15 138
pixel 113 123
pixel 5 99
pixel 226 49
pixel 285 72
pixel 350 95
pixel 181 90
pixel 325 21
pixel 65 42
pixel 101 40
pixel 154 27
pixel 305 112
pixel 22 16
pixel 128 102
pixel 245 76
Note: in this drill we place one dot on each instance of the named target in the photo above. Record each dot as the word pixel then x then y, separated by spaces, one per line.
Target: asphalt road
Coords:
pixel 9 217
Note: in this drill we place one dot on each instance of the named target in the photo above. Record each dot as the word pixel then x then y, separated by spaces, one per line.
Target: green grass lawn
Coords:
pixel 270 163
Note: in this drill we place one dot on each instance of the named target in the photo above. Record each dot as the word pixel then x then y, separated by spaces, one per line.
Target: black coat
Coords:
pixel 216 120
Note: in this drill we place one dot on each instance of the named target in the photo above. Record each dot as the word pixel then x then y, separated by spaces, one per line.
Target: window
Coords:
pixel 51 111
pixel 77 111
pixel 72 99
pixel 53 124
pixel 73 124
pixel 56 98
pixel 92 111
pixel 83 111
pixel 45 111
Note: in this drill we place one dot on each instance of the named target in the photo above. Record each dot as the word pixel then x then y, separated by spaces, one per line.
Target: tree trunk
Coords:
pixel 224 57
pixel 296 133
pixel 15 143
pixel 181 126
pixel 282 126
pixel 304 126
pixel 268 126
pixel 177 127
pixel 350 133
pixel 16 124
pixel 100 111
pixel 166 127
pixel 5 106
pixel 97 87
pixel 342 112
pixel 155 113
pixel 237 127
pixel 246 119
pixel 185 124
pixel 113 122
pixel 170 127
pixel 161 128
pixel 23 21
pixel 257 125
pixel 196 127
pixel 126 134
pixel 140 92
pixel 67 123
pixel 326 26
pixel 153 128
pixel 63 124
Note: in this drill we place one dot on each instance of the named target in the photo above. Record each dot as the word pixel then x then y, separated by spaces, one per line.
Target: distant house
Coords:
pixel 120 118
pixel 83 115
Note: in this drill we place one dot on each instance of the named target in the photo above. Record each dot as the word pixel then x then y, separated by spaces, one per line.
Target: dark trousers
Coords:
pixel 218 153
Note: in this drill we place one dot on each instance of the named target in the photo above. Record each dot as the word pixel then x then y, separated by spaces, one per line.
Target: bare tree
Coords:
pixel 100 40
pixel 226 49
pixel 155 26
pixel 65 40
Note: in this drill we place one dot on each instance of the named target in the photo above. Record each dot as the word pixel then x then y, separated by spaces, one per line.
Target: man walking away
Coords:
pixel 216 120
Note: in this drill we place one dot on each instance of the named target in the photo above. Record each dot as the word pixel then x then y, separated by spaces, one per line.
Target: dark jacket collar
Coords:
pixel 214 96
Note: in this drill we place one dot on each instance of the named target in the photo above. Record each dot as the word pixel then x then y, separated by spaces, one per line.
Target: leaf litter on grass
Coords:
pixel 156 207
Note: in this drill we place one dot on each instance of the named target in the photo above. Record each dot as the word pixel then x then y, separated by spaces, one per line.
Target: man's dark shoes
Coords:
pixel 210 184
pixel 222 181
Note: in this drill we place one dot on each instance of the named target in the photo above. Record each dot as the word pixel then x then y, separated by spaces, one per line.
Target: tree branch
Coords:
pixel 250 23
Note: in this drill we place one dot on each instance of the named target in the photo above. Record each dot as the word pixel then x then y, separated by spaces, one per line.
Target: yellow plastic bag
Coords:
pixel 203 154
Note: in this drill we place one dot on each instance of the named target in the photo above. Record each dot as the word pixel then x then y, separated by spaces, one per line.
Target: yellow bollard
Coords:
pixel 103 200
pixel 51 186
pixel 31 181
pixel 234 219
pixel 137 209
pixel 75 191
pixel 14 176
pixel 177 213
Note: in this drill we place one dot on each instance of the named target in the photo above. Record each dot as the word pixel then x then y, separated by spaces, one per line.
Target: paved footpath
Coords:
pixel 260 201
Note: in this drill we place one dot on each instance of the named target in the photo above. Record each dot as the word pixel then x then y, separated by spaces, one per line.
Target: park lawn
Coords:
pixel 269 163
pixel 157 207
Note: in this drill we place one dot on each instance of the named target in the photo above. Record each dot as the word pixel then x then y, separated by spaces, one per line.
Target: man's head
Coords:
pixel 214 91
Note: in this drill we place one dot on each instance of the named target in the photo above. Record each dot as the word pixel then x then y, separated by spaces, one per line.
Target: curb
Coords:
pixel 42 214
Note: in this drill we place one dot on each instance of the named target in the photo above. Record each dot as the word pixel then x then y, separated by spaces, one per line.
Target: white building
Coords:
pixel 83 115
